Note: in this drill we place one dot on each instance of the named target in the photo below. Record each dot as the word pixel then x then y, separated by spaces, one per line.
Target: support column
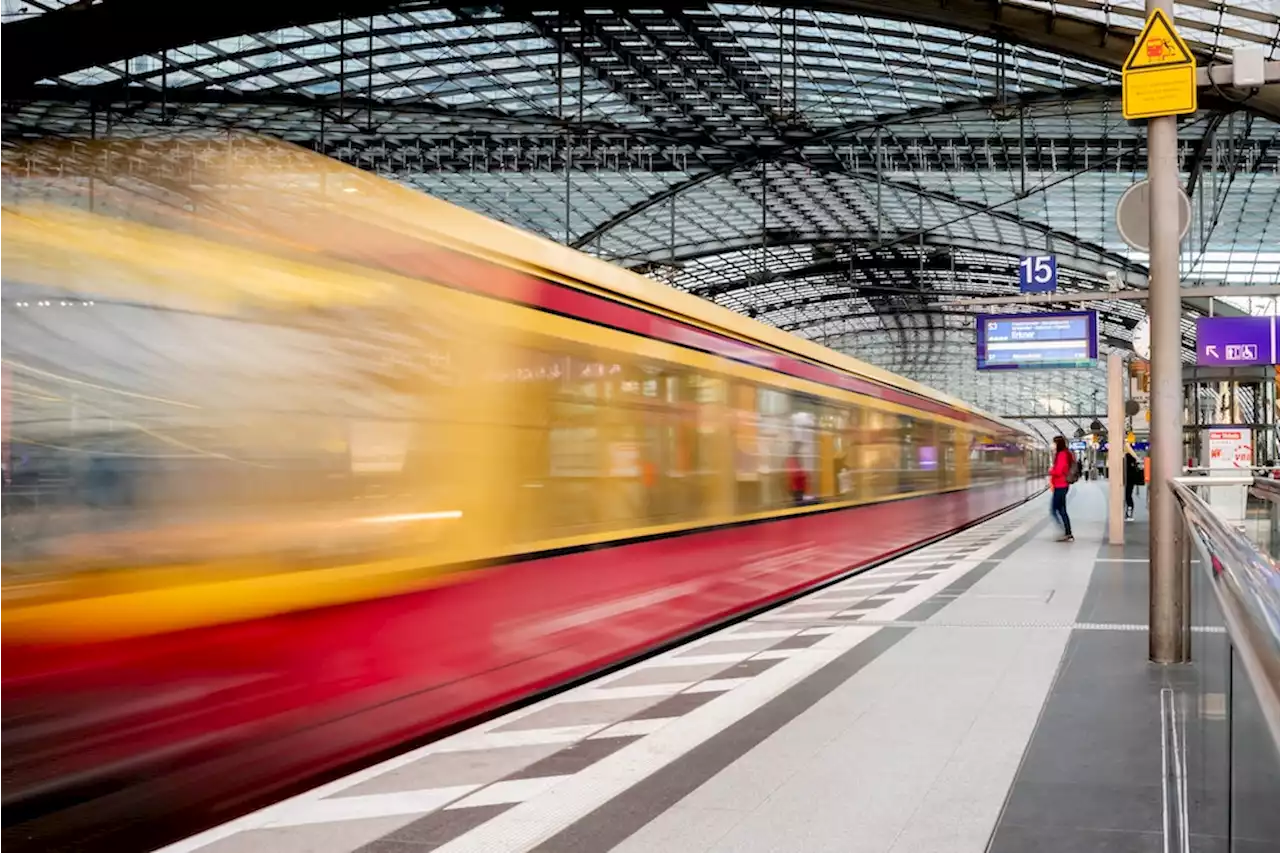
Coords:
pixel 1167 602
pixel 1115 451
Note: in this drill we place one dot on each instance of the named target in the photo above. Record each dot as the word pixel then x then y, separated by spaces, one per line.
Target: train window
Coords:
pixel 985 459
pixel 946 442
pixel 600 441
pixel 745 422
pixel 852 482
pixel 774 440
pixel 920 456
pixel 573 466
pixel 804 446
pixel 881 442
pixel 833 426
pixel 711 447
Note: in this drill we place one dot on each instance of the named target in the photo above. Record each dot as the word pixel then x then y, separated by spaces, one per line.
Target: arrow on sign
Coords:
pixel 1211 350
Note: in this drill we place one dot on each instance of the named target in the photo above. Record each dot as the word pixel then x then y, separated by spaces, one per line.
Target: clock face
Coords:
pixel 1142 338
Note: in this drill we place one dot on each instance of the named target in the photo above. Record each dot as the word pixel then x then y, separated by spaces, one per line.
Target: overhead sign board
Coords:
pixel 1014 341
pixel 1159 77
pixel 1235 341
pixel 1038 274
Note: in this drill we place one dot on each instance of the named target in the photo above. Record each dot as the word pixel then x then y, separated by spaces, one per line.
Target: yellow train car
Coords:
pixel 315 464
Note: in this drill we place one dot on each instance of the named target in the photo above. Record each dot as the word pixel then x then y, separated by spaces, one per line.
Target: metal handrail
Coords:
pixel 1246 583
pixel 1266 487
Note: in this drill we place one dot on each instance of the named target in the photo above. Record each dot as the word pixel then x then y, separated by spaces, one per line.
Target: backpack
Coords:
pixel 1073 471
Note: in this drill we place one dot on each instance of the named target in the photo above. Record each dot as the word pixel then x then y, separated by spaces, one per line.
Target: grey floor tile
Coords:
pixel 726 647
pixel 574 758
pixel 1086 806
pixel 434 830
pixel 583 713
pixel 796 642
pixel 338 837
pixel 675 706
pixel 870 603
pixel 680 674
pixel 1245 846
pixel 817 608
pixel 1217 844
pixel 1015 838
pixel 749 668
pixel 446 769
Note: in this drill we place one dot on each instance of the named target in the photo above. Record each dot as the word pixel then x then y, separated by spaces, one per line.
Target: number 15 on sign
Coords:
pixel 1038 274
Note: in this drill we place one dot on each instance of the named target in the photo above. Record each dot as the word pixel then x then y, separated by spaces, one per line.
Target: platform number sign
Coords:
pixel 1038 274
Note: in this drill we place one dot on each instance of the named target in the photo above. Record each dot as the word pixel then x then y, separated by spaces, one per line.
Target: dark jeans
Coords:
pixel 1058 508
pixel 1128 497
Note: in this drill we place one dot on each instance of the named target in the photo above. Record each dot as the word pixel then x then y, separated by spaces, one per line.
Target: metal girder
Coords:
pixel 74 37
pixel 952 332
pixel 1201 155
pixel 978 209
pixel 719 55
pixel 921 310
pixel 790 148
pixel 533 141
pixel 88 34
pixel 1042 28
pixel 1096 253
pixel 105 94
pixel 849 267
pixel 596 50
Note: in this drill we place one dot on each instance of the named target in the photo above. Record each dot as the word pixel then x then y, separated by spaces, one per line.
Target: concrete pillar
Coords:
pixel 1115 448
pixel 1167 600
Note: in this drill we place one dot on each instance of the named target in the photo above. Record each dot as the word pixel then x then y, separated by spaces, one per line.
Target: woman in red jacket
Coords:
pixel 1058 479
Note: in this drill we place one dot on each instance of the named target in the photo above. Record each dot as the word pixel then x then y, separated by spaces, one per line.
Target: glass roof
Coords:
pixel 848 178
pixel 17 10
pixel 1218 25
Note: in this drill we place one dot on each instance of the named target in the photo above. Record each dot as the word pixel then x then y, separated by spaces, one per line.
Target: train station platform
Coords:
pixel 987 692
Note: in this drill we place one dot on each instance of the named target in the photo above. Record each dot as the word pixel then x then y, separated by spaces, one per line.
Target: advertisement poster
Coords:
pixel 1230 448
pixel 1230 453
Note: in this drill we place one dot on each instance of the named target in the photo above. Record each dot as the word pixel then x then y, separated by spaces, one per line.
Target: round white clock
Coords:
pixel 1142 338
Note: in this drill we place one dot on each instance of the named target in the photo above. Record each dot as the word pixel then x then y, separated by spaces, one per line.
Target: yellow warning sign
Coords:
pixel 1159 46
pixel 1160 74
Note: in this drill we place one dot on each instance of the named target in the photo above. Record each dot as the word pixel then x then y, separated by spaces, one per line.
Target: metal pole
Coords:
pixel 1115 448
pixel 1167 602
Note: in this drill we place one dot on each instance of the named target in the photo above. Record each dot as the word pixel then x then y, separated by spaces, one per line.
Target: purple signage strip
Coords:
pixel 1235 341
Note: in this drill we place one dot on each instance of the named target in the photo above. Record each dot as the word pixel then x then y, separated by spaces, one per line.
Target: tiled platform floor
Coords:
pixel 889 712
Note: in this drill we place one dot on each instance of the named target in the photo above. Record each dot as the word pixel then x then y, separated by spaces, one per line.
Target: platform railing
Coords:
pixel 1222 740
pixel 1246 584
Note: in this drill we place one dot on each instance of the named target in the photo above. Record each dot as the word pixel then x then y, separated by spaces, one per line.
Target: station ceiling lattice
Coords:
pixel 849 173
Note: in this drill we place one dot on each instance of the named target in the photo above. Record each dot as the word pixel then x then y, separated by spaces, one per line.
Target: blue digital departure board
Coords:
pixel 1015 341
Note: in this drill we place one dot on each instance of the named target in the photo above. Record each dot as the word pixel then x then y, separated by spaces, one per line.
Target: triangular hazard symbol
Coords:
pixel 1159 46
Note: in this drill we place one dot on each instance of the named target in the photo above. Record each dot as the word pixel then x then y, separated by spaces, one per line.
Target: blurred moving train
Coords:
pixel 302 465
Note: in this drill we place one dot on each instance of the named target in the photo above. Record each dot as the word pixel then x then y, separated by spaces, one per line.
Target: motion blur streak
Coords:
pixel 301 465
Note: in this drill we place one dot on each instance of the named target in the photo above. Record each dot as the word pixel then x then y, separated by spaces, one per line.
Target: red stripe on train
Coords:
pixel 211 718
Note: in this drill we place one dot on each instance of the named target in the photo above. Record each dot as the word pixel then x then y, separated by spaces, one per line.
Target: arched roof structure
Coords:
pixel 849 171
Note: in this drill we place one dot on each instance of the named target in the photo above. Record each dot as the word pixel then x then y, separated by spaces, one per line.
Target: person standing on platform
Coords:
pixel 1132 479
pixel 1060 478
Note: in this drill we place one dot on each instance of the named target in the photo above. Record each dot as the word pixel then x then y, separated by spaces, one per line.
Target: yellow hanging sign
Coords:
pixel 1159 76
